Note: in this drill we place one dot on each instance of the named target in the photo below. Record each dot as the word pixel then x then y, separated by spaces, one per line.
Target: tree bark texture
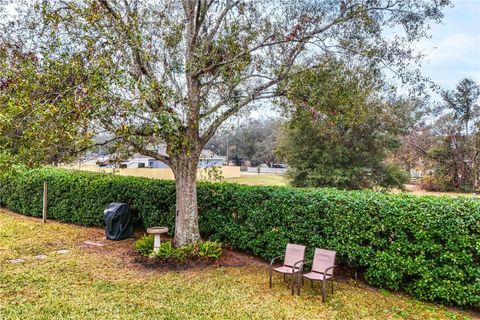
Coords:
pixel 186 221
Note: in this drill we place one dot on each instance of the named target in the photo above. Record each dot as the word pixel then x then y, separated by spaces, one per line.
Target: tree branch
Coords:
pixel 98 144
pixel 150 153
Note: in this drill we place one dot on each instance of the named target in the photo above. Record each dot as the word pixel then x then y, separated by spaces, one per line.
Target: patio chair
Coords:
pixel 292 264
pixel 323 264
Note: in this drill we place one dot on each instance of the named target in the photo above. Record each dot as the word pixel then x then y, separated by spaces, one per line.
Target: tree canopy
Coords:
pixel 46 107
pixel 447 149
pixel 342 129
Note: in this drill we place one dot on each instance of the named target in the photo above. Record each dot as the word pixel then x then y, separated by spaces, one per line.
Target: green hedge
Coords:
pixel 428 246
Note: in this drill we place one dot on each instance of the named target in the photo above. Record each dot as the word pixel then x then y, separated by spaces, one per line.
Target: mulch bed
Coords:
pixel 125 250
pixel 229 258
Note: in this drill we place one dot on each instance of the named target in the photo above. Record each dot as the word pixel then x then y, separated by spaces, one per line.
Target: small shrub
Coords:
pixel 181 254
pixel 203 250
pixel 165 251
pixel 144 245
pixel 209 249
pixel 394 177
pixel 436 183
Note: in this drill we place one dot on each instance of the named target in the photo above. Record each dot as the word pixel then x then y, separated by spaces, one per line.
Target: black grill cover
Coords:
pixel 118 221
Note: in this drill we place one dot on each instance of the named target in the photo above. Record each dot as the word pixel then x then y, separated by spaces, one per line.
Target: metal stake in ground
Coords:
pixel 44 211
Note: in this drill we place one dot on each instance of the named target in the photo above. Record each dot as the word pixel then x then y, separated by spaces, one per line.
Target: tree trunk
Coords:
pixel 186 223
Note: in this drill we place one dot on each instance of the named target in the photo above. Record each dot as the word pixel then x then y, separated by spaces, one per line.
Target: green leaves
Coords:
pixel 451 146
pixel 144 245
pixel 202 250
pixel 47 106
pixel 341 129
pixel 209 249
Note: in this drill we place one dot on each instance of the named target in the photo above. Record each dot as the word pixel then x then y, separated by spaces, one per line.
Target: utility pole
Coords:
pixel 227 151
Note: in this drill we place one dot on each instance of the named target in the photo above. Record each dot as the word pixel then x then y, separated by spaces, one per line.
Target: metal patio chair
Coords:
pixel 292 264
pixel 323 264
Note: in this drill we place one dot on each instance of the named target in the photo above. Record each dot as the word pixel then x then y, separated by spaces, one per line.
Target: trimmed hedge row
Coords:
pixel 428 246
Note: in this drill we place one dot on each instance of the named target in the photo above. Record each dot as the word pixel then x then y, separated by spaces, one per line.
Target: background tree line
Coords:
pixel 254 140
pixel 344 126
pixel 445 148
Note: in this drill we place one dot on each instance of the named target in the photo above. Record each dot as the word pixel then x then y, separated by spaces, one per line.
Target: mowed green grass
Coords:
pixel 259 180
pixel 98 284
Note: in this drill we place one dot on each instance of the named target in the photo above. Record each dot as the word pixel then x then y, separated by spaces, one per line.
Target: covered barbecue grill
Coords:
pixel 118 221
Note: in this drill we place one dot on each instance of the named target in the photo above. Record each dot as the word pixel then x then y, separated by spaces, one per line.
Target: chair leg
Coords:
pixel 298 283
pixel 293 284
pixel 332 285
pixel 270 278
pixel 323 291
pixel 311 283
pixel 284 277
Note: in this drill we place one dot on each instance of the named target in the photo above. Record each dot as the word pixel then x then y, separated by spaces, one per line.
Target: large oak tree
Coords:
pixel 176 70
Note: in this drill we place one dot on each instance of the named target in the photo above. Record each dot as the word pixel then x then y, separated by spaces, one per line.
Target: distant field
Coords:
pixel 259 180
pixel 415 190
pixel 277 180
pixel 254 179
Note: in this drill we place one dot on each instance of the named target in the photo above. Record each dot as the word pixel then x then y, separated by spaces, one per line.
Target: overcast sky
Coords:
pixel 454 49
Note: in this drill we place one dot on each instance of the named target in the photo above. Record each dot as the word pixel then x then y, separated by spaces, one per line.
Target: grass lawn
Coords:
pixel 277 180
pixel 90 282
pixel 259 180
pixel 416 190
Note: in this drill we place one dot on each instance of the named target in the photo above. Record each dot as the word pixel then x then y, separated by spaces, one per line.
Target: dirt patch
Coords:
pixel 170 265
pixel 233 258
pixel 131 259
pixel 229 258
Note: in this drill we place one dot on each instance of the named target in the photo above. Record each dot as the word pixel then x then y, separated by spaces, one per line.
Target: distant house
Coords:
pixel 207 159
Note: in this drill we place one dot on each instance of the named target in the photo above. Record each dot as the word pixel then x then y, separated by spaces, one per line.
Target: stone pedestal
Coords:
pixel 156 231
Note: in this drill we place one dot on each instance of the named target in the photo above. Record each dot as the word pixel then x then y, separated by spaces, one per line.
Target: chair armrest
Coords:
pixel 300 262
pixel 325 272
pixel 273 260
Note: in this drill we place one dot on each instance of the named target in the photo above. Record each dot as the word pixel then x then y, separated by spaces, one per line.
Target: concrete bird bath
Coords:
pixel 156 231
